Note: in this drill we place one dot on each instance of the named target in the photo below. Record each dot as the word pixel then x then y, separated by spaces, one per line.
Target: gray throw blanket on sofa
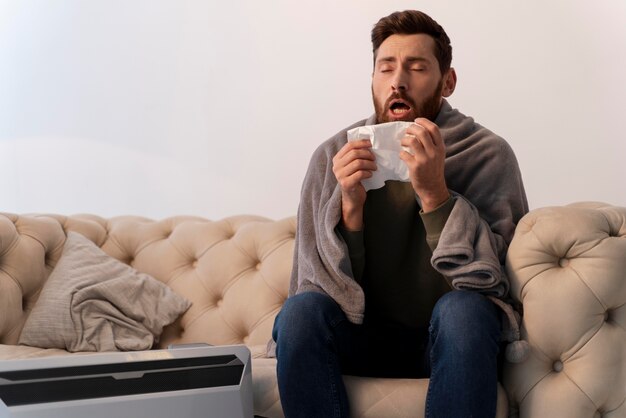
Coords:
pixel 484 177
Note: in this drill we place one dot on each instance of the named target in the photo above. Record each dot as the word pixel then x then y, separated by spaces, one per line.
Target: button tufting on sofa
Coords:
pixel 572 313
pixel 557 366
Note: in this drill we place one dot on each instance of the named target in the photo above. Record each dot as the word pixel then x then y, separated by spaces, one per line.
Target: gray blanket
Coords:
pixel 484 177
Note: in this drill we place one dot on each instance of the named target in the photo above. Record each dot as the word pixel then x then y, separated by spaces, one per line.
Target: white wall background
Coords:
pixel 163 107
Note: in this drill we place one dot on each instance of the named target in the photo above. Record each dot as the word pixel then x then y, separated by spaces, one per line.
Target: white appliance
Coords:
pixel 189 381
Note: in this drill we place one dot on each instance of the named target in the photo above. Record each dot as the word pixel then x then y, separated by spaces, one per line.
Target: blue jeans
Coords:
pixel 316 344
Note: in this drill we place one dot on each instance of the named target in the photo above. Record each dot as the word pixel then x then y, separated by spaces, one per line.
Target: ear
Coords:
pixel 449 83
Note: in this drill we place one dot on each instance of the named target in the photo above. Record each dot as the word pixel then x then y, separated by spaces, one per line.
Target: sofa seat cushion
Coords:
pixel 19 352
pixel 369 397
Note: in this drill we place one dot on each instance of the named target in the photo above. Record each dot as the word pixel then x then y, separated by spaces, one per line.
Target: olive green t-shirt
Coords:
pixel 391 255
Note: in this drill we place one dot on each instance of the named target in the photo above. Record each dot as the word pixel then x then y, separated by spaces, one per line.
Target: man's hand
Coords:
pixel 354 162
pixel 425 160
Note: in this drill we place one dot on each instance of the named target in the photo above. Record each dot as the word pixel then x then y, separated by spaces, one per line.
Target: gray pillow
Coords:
pixel 93 302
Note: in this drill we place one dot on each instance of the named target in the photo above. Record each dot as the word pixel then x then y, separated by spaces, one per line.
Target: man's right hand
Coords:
pixel 353 163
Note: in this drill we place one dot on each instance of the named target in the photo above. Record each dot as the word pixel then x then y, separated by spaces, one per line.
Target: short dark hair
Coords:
pixel 411 22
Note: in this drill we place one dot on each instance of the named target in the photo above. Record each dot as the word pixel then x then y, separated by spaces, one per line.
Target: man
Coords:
pixel 380 279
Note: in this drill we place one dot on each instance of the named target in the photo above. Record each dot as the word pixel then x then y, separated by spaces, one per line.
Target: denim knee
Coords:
pixel 464 334
pixel 305 316
pixel 463 315
pixel 308 368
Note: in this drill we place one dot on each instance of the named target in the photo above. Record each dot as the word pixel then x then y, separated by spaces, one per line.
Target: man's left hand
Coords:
pixel 426 161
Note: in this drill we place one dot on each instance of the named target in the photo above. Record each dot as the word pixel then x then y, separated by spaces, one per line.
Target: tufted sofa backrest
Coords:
pixel 235 271
pixel 567 265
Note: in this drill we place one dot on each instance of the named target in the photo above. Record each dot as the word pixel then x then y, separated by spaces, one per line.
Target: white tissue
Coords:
pixel 386 146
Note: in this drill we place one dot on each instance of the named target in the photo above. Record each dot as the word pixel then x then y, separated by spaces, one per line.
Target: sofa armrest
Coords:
pixel 29 248
pixel 567 265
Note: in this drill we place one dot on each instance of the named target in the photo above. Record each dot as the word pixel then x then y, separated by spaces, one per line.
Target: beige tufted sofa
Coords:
pixel 567 266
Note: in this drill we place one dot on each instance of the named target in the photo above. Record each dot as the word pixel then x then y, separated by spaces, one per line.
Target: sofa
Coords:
pixel 567 267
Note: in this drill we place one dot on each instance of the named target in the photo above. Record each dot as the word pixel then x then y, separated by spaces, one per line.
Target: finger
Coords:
pixel 358 154
pixel 359 144
pixel 423 136
pixel 346 166
pixel 360 175
pixel 350 182
pixel 352 151
pixel 354 160
pixel 432 129
pixel 413 143
pixel 406 157
pixel 356 166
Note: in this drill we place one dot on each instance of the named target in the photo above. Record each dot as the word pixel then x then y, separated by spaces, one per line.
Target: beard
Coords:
pixel 427 108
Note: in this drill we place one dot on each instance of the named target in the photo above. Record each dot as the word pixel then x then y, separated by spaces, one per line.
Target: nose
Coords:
pixel 399 81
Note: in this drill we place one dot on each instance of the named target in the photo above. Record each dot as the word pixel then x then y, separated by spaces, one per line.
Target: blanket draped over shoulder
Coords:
pixel 483 176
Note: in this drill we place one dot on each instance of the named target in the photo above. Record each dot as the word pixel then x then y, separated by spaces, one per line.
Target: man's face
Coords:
pixel 407 82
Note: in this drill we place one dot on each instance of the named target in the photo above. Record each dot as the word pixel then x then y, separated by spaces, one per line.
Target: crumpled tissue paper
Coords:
pixel 385 139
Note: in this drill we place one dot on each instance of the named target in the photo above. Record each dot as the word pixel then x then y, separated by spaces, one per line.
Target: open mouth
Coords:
pixel 399 108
